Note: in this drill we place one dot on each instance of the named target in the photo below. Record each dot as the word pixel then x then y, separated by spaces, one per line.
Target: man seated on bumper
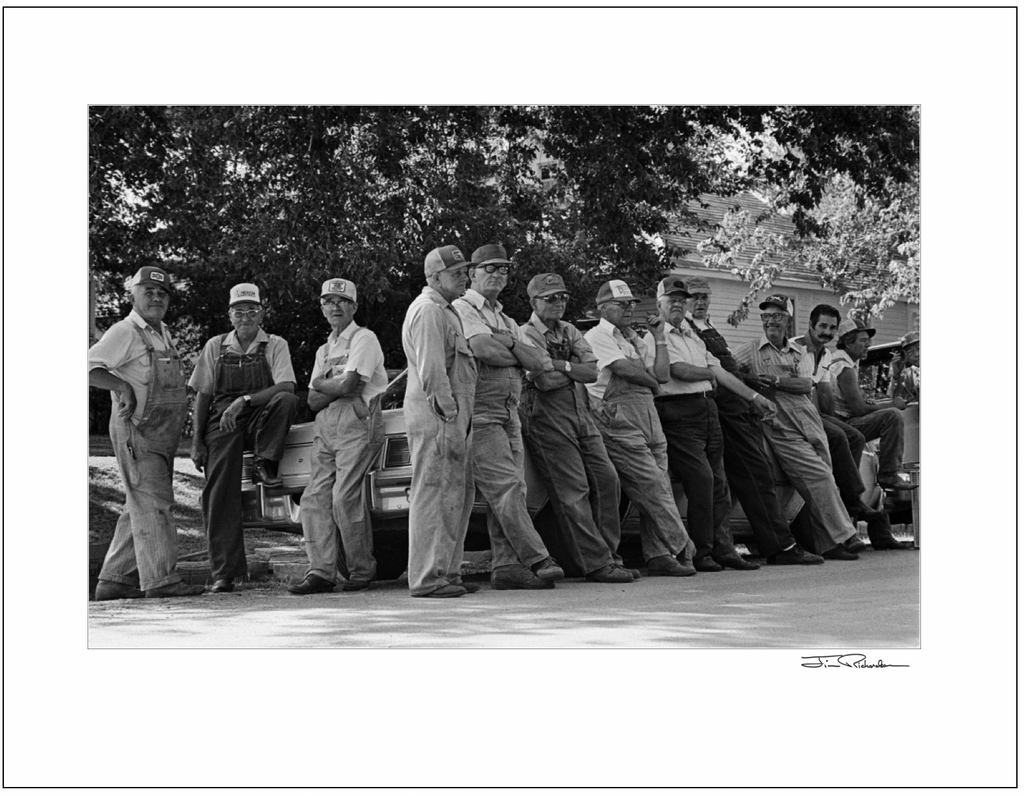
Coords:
pixel 519 559
pixel 881 421
pixel 344 390
pixel 565 444
pixel 622 404
pixel 689 418
pixel 779 369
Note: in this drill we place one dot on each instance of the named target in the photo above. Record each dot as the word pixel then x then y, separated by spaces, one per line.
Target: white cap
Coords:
pixel 244 292
pixel 339 287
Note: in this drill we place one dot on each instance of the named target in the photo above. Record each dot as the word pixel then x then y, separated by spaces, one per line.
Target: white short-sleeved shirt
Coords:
pixel 683 346
pixel 609 345
pixel 479 317
pixel 122 352
pixel 354 349
pixel 278 356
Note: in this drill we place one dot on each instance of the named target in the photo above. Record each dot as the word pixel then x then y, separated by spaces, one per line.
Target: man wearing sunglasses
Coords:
pixel 778 369
pixel 565 444
pixel 245 388
pixel 519 559
pixel 344 390
pixel 622 404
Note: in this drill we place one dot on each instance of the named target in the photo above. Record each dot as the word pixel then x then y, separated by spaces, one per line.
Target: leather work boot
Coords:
pixel 179 589
pixel 112 590
pixel 795 555
pixel 610 574
pixel 840 553
pixel 707 564
pixel 735 561
pixel 264 472
pixel 312 584
pixel 667 566
pixel 548 569
pixel 517 577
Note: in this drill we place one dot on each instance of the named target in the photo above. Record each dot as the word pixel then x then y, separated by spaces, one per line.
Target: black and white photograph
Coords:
pixel 517 358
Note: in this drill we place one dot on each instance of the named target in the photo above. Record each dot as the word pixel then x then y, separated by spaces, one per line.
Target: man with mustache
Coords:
pixel 345 386
pixel 746 464
pixel 439 419
pixel 519 558
pixel 622 404
pixel 780 370
pixel 137 360
pixel 245 397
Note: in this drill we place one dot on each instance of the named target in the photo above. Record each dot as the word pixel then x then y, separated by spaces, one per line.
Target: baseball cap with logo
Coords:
pixel 339 287
pixel 851 325
pixel 545 285
pixel 244 292
pixel 491 253
pixel 777 300
pixel 672 285
pixel 151 275
pixel 443 258
pixel 613 290
pixel 698 284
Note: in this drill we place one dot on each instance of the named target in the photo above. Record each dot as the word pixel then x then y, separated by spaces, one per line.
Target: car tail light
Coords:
pixel 397 453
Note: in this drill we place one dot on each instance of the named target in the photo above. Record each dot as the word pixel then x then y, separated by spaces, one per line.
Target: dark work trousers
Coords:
pixel 845 445
pixel 264 429
pixel 695 451
pixel 750 474
pixel 569 453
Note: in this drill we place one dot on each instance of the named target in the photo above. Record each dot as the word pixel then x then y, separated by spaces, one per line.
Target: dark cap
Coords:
pixel 698 284
pixel 776 300
pixel 672 285
pixel 545 285
pixel 151 275
pixel 443 258
pixel 490 253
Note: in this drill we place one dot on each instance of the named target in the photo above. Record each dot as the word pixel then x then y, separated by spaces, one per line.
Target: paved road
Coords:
pixel 871 603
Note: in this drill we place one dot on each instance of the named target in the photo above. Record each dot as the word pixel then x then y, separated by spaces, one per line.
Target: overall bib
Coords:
pixel 144 549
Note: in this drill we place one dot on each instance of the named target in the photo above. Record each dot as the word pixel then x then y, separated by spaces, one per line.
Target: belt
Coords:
pixel 667 399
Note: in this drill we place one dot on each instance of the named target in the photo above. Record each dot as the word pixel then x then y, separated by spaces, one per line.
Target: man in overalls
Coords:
pixel 689 418
pixel 245 388
pixel 344 389
pixel 519 559
pixel 564 442
pixel 438 410
pixel 779 370
pixel 746 464
pixel 137 361
pixel 622 404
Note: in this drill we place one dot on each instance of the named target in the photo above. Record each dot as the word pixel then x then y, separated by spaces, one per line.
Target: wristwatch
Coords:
pixel 247 399
pixel 568 366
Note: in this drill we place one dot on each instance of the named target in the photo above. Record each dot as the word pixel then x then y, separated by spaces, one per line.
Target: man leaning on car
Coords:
pixel 438 414
pixel 519 559
pixel 345 386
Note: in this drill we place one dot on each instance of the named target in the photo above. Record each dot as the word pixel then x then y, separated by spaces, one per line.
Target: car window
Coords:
pixel 875 372
pixel 394 395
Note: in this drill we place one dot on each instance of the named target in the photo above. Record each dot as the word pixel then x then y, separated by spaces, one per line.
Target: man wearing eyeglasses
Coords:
pixel 438 415
pixel 778 368
pixel 345 386
pixel 245 388
pixel 519 558
pixel 689 418
pixel 565 444
pixel 622 404
pixel 746 464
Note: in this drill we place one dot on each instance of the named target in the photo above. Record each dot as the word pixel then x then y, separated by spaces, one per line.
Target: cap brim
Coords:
pixel 676 292
pixel 493 260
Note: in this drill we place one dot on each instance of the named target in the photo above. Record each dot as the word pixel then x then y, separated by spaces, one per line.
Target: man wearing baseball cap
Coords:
pixel 245 398
pixel 779 370
pixel 137 360
pixel 750 475
pixel 565 444
pixel 882 421
pixel 519 558
pixel 905 378
pixel 345 386
pixel 622 404
pixel 438 413
pixel 689 418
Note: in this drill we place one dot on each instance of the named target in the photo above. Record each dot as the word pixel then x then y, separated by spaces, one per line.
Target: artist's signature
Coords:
pixel 851 660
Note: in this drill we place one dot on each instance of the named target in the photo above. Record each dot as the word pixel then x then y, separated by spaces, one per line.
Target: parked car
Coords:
pixel 387 488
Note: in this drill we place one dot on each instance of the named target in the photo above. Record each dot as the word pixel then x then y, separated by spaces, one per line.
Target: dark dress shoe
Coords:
pixel 312 584
pixel 840 553
pixel 794 555
pixel 891 544
pixel 179 589
pixel 548 569
pixel 735 561
pixel 223 585
pixel 855 545
pixel 264 472
pixel 355 585
pixel 706 564
pixel 517 577
pixel 448 590
pixel 112 590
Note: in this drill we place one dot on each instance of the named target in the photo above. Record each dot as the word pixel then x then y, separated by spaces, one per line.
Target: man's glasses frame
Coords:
pixel 338 303
pixel 247 314
pixel 556 298
pixel 495 268
pixel 773 316
pixel 624 305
